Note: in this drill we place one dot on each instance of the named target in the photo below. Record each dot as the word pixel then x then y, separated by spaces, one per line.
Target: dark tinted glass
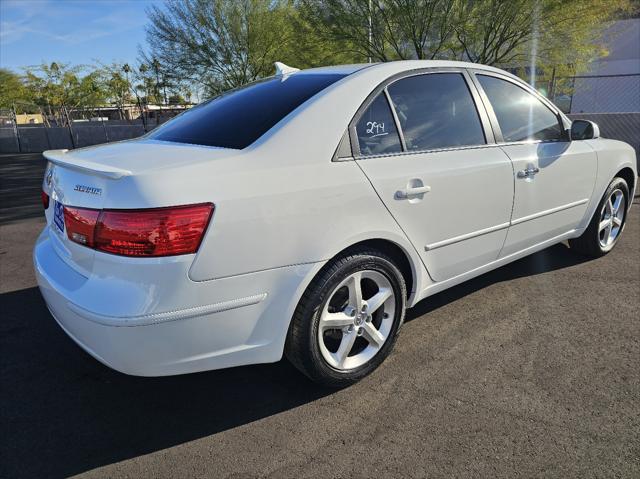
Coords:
pixel 521 115
pixel 436 111
pixel 581 130
pixel 377 133
pixel 238 118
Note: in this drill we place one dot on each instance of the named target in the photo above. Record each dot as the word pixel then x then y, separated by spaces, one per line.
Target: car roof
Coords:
pixel 398 66
pixel 336 69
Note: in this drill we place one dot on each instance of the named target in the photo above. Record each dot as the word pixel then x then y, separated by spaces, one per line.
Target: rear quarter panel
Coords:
pixel 270 216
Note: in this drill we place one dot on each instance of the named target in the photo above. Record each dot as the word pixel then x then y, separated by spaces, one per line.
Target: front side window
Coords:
pixel 520 114
pixel 376 129
pixel 238 118
pixel 436 111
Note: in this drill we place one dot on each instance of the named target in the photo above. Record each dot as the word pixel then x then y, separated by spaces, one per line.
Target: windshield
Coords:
pixel 238 118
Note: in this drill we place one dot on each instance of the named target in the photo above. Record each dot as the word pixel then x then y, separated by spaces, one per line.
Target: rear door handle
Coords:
pixel 411 192
pixel 529 172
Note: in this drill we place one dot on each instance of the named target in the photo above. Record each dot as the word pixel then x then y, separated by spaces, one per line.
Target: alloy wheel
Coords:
pixel 611 218
pixel 356 320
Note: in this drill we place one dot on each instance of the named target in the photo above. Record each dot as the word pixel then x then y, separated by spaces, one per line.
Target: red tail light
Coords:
pixel 80 224
pixel 157 232
pixel 45 199
pixel 147 233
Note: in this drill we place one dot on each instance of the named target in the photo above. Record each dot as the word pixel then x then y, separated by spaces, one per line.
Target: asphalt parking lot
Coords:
pixel 530 370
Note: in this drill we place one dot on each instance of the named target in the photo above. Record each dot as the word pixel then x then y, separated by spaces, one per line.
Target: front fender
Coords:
pixel 613 156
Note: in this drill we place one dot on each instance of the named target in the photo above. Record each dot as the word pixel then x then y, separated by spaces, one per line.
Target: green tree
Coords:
pixel 507 33
pixel 12 90
pixel 571 39
pixel 384 30
pixel 117 86
pixel 510 32
pixel 59 87
pixel 177 99
pixel 220 44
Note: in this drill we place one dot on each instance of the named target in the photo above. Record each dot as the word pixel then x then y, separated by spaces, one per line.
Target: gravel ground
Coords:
pixel 530 370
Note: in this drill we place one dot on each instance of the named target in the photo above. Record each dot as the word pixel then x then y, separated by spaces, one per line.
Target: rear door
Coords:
pixel 554 177
pixel 429 153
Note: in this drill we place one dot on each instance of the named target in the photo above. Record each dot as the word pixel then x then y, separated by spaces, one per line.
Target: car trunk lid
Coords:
pixel 92 178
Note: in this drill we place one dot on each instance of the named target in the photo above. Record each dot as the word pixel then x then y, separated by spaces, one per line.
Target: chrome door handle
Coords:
pixel 529 172
pixel 411 192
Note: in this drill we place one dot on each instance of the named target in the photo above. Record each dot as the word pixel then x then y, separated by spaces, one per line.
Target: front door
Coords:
pixel 554 177
pixel 448 189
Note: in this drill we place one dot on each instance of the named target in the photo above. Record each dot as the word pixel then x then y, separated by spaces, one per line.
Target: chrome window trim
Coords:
pixel 434 150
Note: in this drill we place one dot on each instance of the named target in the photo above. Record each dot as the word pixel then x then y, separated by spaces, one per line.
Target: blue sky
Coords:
pixel 71 31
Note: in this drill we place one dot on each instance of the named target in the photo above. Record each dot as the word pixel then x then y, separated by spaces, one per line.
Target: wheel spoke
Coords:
pixel 372 335
pixel 607 233
pixel 345 347
pixel 335 321
pixel 617 221
pixel 355 291
pixel 616 202
pixel 604 224
pixel 610 206
pixel 374 303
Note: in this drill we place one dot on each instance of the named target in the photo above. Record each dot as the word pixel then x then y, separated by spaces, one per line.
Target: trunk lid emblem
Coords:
pixel 92 190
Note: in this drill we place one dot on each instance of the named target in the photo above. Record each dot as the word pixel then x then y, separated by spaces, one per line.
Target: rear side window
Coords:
pixel 376 130
pixel 520 114
pixel 238 118
pixel 436 111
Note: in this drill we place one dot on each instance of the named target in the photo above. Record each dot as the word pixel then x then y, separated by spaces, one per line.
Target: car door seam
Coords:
pixel 513 198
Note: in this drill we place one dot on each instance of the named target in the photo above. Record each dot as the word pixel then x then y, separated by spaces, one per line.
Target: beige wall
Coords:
pixel 29 118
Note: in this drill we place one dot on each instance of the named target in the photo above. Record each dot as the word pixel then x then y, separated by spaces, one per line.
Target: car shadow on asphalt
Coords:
pixel 553 258
pixel 64 413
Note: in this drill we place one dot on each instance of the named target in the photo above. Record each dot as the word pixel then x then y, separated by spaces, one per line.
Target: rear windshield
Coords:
pixel 238 118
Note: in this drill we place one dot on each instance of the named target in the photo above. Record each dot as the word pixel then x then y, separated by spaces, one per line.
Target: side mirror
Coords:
pixel 584 130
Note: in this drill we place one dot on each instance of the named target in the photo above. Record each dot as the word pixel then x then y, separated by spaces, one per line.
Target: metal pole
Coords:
pixel 144 123
pixel 552 86
pixel 46 133
pixel 106 135
pixel 370 32
pixel 15 127
pixel 573 91
pixel 66 112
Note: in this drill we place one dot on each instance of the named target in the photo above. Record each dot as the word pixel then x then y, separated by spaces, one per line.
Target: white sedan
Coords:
pixel 302 214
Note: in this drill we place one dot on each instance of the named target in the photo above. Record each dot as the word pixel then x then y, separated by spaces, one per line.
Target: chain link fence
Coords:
pixel 611 101
pixel 27 128
pixel 596 93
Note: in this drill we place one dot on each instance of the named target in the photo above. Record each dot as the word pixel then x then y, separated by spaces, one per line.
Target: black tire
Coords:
pixel 588 243
pixel 302 347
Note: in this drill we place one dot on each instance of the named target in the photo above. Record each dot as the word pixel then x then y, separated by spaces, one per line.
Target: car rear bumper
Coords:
pixel 137 330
